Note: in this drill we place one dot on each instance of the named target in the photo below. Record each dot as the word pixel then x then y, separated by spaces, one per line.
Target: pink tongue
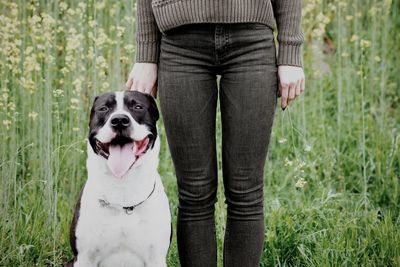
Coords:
pixel 121 158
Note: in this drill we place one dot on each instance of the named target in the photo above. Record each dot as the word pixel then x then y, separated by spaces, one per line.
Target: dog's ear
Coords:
pixel 153 107
pixel 92 110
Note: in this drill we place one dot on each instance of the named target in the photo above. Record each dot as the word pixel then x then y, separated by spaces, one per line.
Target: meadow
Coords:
pixel 332 176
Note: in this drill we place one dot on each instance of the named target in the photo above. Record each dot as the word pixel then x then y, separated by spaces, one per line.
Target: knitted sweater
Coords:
pixel 157 16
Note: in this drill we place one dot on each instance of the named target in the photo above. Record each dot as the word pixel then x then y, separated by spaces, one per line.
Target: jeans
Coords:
pixel 191 57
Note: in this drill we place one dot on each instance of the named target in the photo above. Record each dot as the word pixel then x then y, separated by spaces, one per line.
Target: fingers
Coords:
pixel 303 85
pixel 285 95
pixel 292 92
pixel 291 84
pixel 129 83
pixel 143 78
pixel 153 91
pixel 279 90
pixel 136 85
pixel 298 91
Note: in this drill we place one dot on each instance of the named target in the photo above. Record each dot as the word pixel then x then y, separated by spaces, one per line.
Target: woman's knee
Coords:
pixel 245 199
pixel 197 198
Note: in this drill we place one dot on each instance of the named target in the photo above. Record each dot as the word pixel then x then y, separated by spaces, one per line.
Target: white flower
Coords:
pixel 288 162
pixel 307 147
pixel 282 140
pixel 300 183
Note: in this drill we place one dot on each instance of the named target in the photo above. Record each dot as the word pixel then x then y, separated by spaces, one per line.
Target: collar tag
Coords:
pixel 129 210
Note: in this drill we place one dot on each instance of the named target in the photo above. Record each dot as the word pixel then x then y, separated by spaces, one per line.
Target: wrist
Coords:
pixel 147 52
pixel 289 55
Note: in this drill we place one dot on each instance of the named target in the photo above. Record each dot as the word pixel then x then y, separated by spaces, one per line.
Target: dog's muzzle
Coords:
pixel 122 152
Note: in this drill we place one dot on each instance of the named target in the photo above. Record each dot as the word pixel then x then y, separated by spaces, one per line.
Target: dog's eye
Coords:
pixel 103 108
pixel 138 107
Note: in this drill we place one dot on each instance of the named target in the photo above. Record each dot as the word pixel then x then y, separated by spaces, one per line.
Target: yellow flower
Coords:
pixel 74 101
pixel 105 85
pixel 63 6
pixel 7 123
pixel 4 96
pixel 365 43
pixel 101 62
pixel 11 106
pixel 33 115
pixel 130 48
pixel 101 5
pixel 120 31
pixel 301 164
pixel 77 84
pixel 58 92
pixel 354 38
pixel 125 60
pixel 388 3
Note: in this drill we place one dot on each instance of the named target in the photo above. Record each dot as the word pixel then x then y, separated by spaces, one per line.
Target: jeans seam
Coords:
pixel 224 252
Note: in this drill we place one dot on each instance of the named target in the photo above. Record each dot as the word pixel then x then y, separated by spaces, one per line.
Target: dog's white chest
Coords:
pixel 108 236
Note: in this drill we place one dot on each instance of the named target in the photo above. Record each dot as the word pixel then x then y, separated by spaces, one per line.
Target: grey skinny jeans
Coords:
pixel 190 58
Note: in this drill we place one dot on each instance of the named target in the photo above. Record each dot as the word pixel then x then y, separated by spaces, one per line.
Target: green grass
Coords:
pixel 341 136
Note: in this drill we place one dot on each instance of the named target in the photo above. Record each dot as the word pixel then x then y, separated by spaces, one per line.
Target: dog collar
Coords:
pixel 128 209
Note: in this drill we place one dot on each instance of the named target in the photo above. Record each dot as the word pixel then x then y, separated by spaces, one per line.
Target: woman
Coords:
pixel 181 46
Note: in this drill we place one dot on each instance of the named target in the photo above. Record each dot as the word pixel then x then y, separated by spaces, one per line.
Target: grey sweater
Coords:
pixel 157 16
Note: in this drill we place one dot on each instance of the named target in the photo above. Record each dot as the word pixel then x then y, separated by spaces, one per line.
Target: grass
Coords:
pixel 332 177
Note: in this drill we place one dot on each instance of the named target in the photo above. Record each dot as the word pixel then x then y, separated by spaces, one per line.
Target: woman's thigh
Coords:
pixel 188 97
pixel 248 97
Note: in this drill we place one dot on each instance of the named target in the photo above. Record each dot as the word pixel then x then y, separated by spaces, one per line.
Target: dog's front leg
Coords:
pixel 158 261
pixel 84 260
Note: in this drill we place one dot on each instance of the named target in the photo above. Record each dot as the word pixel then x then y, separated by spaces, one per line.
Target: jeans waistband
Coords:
pixel 207 27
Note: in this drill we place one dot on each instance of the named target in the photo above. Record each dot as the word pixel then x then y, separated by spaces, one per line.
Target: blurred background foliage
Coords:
pixel 333 170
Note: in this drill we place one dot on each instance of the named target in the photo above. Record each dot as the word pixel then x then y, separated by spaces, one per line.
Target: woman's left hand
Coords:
pixel 291 83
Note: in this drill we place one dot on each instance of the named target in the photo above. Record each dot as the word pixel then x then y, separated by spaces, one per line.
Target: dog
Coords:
pixel 122 217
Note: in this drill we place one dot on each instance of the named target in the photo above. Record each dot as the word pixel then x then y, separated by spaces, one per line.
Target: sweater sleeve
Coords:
pixel 290 35
pixel 147 33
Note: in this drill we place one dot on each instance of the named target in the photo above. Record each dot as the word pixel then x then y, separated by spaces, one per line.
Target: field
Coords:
pixel 332 177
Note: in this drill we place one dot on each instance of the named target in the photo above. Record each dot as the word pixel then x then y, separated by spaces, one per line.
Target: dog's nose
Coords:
pixel 120 122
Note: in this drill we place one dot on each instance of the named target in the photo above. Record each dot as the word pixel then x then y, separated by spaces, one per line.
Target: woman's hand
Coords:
pixel 143 78
pixel 291 83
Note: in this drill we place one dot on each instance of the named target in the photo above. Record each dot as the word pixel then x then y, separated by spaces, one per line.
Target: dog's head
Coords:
pixel 123 128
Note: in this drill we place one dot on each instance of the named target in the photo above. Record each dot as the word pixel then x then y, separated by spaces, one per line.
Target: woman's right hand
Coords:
pixel 143 78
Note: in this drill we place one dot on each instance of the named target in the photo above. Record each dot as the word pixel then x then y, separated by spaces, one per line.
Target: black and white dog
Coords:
pixel 123 216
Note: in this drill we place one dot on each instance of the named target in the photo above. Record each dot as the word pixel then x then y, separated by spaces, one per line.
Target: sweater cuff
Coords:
pixel 290 55
pixel 147 52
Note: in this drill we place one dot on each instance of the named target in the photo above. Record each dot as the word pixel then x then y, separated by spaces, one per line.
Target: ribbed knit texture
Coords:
pixel 157 16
